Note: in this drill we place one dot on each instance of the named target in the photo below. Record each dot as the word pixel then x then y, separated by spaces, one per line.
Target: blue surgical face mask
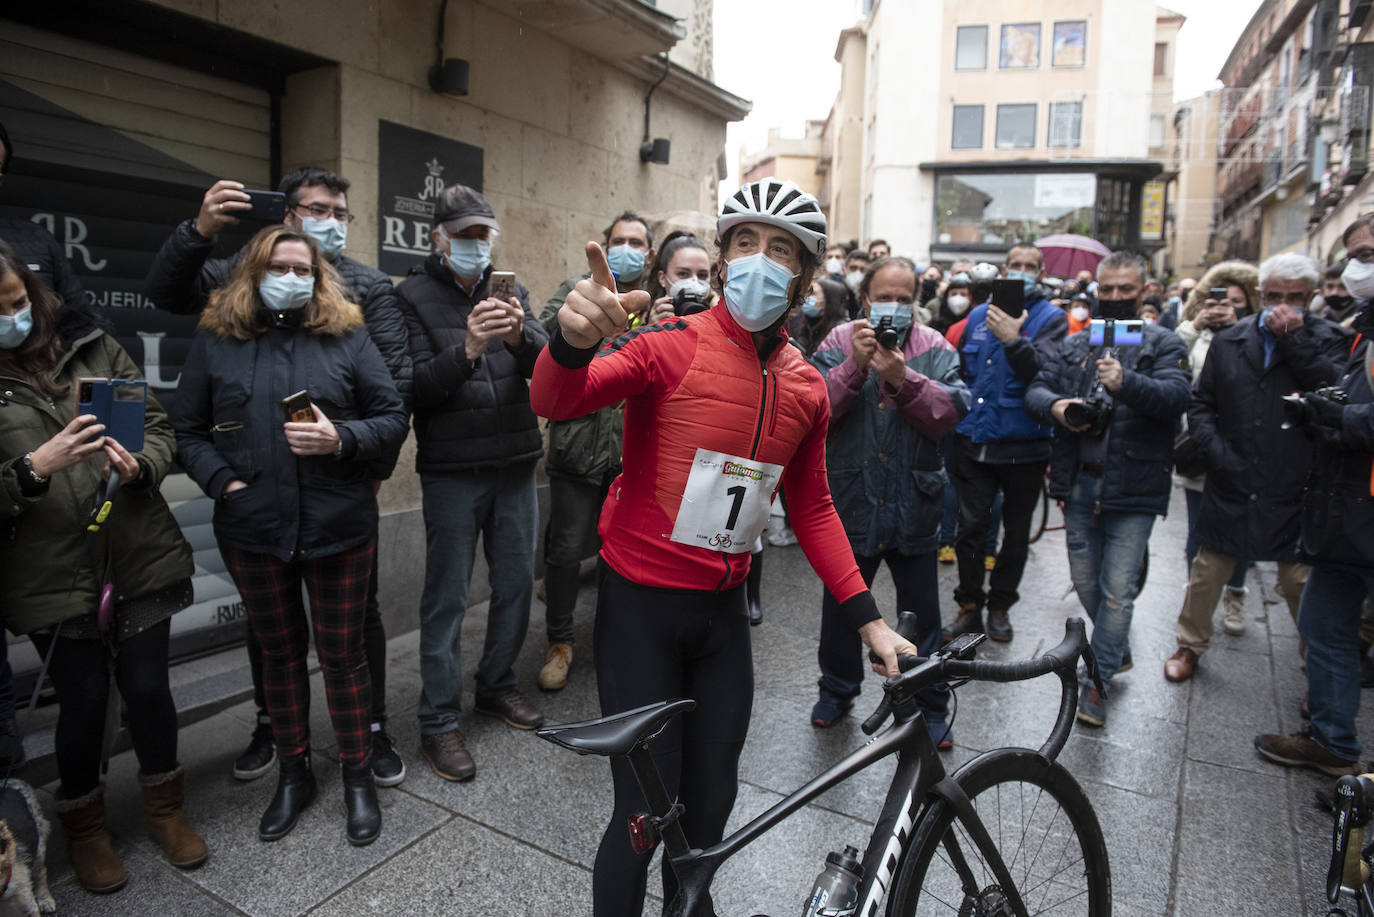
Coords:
pixel 626 260
pixel 756 290
pixel 284 292
pixel 14 329
pixel 469 257
pixel 810 308
pixel 328 232
pixel 898 312
pixel 1027 280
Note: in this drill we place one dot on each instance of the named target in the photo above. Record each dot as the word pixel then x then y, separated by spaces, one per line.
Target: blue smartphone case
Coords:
pixel 120 404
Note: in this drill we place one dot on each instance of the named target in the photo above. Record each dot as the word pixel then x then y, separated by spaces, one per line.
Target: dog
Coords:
pixel 23 853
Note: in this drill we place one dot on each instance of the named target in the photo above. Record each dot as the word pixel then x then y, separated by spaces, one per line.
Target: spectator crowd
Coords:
pixel 880 412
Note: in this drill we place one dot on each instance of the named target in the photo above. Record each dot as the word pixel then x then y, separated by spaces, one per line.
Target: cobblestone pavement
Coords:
pixel 1187 806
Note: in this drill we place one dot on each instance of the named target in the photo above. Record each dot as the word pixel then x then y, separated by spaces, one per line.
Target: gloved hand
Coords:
pixel 1325 416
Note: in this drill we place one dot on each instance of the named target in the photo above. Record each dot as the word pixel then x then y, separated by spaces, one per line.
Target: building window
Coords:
pixel 1020 46
pixel 968 127
pixel 971 47
pixel 1156 130
pixel 1066 125
pixel 991 208
pixel 1161 58
pixel 1070 44
pixel 1015 127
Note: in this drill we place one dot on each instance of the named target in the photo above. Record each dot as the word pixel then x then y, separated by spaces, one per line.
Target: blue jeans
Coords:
pixel 1329 620
pixel 500 505
pixel 1106 554
pixel 1193 499
pixel 841 654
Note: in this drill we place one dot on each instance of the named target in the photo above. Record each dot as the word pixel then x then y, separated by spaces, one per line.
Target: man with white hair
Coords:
pixel 1252 500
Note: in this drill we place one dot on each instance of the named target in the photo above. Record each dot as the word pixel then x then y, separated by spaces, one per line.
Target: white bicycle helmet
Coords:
pixel 777 203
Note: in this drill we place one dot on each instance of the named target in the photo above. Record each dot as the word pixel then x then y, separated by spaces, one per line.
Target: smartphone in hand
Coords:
pixel 503 285
pixel 1009 296
pixel 268 206
pixel 297 408
pixel 120 404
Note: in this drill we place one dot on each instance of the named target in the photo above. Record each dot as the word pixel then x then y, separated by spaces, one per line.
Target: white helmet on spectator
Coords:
pixel 777 203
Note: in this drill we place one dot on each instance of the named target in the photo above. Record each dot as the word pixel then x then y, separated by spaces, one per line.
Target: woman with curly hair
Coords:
pixel 283 401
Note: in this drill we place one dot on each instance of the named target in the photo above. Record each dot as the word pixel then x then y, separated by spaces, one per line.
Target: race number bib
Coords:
pixel 725 504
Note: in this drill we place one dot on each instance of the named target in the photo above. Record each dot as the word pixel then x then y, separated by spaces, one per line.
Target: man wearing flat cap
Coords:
pixel 477 442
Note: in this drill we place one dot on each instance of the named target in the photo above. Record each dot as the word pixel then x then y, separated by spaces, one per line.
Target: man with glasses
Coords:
pixel 1256 463
pixel 181 279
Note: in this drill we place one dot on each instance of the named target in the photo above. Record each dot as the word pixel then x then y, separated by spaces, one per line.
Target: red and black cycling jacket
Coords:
pixel 697 382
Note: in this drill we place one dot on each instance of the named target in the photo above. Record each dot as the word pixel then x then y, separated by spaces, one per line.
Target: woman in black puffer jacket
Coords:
pixel 293 502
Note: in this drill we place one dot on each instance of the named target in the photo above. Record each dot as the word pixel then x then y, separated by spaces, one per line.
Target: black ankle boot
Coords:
pixel 295 790
pixel 751 588
pixel 360 801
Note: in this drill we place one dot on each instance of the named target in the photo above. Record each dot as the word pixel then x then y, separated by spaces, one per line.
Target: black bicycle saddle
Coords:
pixel 617 734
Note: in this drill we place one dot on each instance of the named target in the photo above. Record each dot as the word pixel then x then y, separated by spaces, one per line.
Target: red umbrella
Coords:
pixel 1067 254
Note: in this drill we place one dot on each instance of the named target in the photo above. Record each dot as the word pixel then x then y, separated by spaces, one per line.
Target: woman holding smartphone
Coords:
pixel 293 504
pixel 53 468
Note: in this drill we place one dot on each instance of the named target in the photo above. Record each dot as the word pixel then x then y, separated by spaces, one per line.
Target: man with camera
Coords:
pixel 583 459
pixel 1338 540
pixel 1115 392
pixel 1256 465
pixel 998 446
pixel 181 279
pixel 894 391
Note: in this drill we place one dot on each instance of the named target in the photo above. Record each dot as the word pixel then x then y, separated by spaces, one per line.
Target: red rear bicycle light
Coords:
pixel 642 833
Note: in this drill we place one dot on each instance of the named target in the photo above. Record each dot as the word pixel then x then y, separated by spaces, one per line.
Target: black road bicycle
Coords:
pixel 1009 834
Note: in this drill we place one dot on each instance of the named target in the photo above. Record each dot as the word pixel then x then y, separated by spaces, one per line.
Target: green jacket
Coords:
pixel 586 448
pixel 54 568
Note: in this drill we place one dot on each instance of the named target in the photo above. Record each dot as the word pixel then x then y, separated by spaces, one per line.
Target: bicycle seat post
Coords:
pixel 656 795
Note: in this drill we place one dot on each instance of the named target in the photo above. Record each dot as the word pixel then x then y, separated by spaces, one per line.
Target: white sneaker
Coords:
pixel 783 537
pixel 1233 611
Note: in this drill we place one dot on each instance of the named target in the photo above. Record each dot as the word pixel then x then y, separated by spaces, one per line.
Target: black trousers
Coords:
pixel 659 644
pixel 977 484
pixel 374 647
pixel 82 680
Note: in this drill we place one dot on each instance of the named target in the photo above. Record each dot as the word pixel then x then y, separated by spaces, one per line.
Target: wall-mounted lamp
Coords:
pixel 655 150
pixel 449 75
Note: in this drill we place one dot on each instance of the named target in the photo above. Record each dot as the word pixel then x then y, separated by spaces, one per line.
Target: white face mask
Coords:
pixel 853 279
pixel 957 304
pixel 1079 313
pixel 833 265
pixel 1358 278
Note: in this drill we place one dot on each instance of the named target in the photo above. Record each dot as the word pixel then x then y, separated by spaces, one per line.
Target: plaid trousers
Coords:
pixel 337 585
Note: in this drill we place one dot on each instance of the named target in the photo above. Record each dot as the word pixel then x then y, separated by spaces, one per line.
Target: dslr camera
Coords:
pixel 1105 336
pixel 691 300
pixel 1298 410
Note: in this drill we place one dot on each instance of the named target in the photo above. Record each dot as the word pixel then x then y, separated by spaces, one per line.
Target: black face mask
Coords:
pixel 929 288
pixel 1118 308
pixel 1339 303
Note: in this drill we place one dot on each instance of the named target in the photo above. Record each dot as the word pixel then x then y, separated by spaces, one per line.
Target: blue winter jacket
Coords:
pixel 997 427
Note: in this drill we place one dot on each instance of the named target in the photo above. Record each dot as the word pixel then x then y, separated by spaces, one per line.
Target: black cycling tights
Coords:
pixel 662 644
pixel 81 680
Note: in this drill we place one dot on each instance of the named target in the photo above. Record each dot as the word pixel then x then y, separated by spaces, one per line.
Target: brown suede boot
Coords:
pixel 97 866
pixel 166 819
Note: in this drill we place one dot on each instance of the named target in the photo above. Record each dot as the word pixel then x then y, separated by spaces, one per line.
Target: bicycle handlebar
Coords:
pixel 899 690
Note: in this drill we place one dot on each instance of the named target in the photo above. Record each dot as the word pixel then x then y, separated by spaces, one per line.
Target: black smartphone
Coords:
pixel 1220 294
pixel 1009 296
pixel 268 206
pixel 297 408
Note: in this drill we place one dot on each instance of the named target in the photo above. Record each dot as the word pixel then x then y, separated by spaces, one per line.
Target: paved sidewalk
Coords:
pixel 1186 805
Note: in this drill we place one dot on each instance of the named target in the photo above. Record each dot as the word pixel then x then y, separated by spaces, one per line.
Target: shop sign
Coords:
pixel 414 166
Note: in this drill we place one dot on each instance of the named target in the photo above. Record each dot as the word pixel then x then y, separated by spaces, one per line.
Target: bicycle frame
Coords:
pixel 920 774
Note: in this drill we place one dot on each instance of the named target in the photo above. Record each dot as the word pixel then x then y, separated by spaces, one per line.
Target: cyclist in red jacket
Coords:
pixel 718 412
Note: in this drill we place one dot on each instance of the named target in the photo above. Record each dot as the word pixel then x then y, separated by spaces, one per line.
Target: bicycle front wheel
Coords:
pixel 1043 827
